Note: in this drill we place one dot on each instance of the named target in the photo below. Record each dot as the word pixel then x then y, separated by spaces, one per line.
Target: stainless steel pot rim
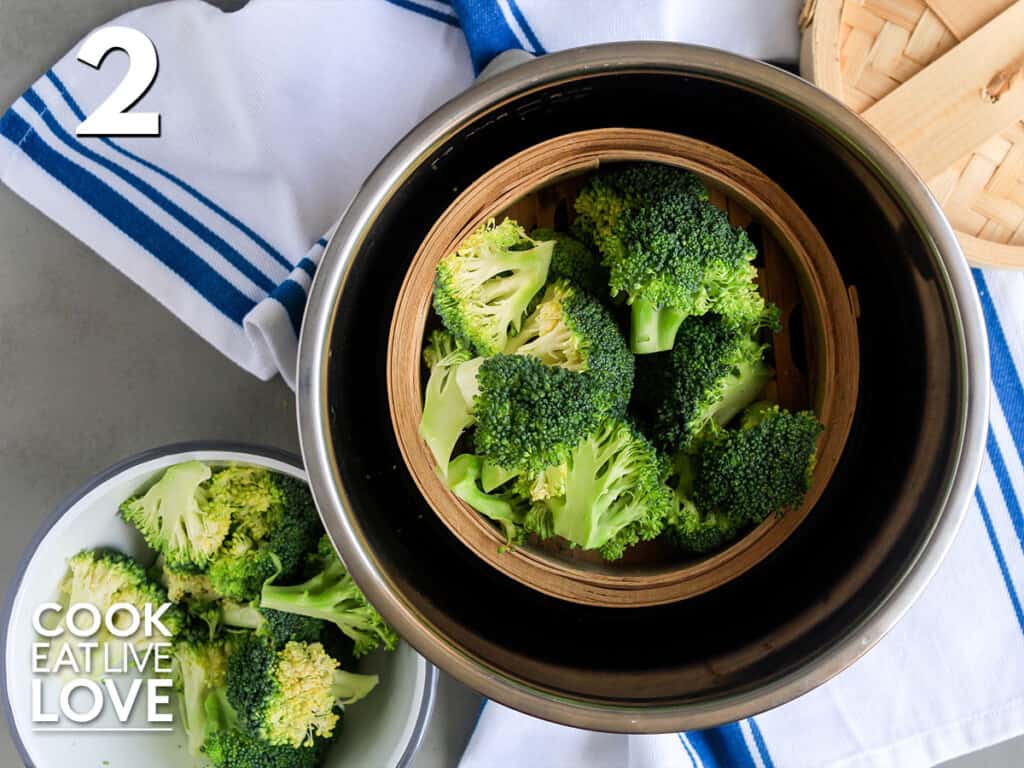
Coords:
pixel 844 127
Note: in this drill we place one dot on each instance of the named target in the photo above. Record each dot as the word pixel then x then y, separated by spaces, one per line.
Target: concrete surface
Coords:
pixel 92 370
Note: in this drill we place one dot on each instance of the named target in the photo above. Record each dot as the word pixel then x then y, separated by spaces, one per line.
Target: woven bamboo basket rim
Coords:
pixel 892 59
pixel 831 336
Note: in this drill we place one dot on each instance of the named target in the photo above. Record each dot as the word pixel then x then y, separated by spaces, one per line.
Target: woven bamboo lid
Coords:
pixel 816 357
pixel 943 80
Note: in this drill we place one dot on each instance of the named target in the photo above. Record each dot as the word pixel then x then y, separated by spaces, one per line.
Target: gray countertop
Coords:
pixel 93 370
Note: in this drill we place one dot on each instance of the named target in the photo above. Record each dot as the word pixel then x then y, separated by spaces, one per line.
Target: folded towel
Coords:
pixel 271 119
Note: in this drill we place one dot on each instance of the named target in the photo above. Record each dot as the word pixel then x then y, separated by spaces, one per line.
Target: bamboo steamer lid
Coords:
pixel 943 81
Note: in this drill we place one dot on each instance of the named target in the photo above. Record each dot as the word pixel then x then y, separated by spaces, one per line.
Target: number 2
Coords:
pixel 111 118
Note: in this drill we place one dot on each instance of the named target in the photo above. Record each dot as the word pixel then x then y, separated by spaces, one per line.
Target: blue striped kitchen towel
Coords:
pixel 272 117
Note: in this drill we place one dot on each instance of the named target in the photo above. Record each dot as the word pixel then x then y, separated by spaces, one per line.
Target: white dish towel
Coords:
pixel 274 114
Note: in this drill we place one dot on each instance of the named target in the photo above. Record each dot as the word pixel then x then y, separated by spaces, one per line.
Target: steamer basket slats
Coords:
pixel 894 60
pixel 816 355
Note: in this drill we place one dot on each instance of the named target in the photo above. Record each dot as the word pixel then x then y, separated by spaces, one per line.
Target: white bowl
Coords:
pixel 382 731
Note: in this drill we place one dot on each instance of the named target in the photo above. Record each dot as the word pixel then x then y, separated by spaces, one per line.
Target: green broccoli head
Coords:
pixel 570 368
pixel 670 250
pixel 575 262
pixel 614 493
pixel 572 330
pixel 234 748
pixel 689 528
pixel 331 595
pixel 761 468
pixel 483 288
pixel 290 696
pixel 507 508
pixel 242 567
pixel 272 534
pixel 447 411
pixel 103 577
pixel 248 496
pixel 176 518
pixel 529 415
pixel 714 371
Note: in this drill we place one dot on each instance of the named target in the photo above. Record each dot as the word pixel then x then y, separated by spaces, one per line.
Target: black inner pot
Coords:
pixel 838 564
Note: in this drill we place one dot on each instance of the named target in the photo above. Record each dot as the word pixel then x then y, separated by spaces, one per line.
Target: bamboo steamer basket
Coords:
pixel 816 355
pixel 943 81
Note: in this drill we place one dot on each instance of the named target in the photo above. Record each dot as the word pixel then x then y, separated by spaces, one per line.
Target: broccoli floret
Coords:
pixel 194 592
pixel 200 671
pixel 530 415
pixel 763 467
pixel 233 748
pixel 176 518
pixel 572 330
pixel 572 260
pixel 242 568
pixel 698 532
pixel 278 626
pixel 669 249
pixel 292 695
pixel 276 525
pixel 688 527
pixel 714 371
pixel 506 509
pixel 249 496
pixel 184 586
pixel 614 494
pixel 570 369
pixel 228 745
pixel 483 288
pixel 103 577
pixel 332 595
pixel 447 412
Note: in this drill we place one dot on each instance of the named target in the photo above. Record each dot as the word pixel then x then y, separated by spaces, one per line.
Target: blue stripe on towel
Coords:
pixel 1000 558
pixel 525 26
pixel 995 456
pixel 486 30
pixel 307 266
pixel 199 229
pixel 126 217
pixel 292 297
pixel 722 747
pixel 689 751
pixel 262 243
pixel 424 10
pixel 1005 376
pixel 762 747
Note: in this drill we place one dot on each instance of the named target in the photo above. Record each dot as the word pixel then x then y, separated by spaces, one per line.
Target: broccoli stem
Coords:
pixel 331 596
pixel 349 687
pixel 653 329
pixel 463 478
pixel 240 615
